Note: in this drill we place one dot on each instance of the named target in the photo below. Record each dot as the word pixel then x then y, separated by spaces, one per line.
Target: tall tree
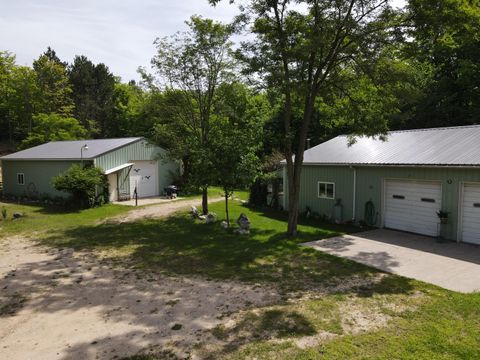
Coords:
pixel 54 89
pixel 444 38
pixel 236 138
pixel 7 65
pixel 192 65
pixel 299 49
pixel 93 94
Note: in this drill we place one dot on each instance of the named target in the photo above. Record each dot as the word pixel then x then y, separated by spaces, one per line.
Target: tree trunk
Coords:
pixel 294 168
pixel 227 215
pixel 205 201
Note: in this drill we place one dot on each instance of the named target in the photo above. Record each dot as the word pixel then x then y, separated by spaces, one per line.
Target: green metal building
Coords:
pixel 128 163
pixel 400 182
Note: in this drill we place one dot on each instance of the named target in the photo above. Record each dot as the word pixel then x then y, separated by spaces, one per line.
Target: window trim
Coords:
pixel 23 178
pixel 326 183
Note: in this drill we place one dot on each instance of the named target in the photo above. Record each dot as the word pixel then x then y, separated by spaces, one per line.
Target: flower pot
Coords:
pixel 443 220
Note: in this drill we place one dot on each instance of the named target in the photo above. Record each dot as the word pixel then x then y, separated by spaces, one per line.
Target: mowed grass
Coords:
pixel 38 219
pixel 389 317
pixel 182 245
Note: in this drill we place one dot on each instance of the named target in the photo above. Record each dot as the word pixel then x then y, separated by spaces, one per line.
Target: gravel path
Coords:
pixel 161 210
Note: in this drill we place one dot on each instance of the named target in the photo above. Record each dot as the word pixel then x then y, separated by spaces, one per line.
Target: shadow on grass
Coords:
pixel 179 245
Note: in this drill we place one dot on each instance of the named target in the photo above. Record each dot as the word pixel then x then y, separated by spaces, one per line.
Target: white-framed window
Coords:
pixel 20 178
pixel 326 190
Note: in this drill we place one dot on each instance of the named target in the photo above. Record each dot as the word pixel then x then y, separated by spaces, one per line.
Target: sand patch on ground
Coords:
pixel 60 304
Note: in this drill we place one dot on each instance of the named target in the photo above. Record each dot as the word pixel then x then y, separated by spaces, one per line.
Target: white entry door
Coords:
pixel 113 187
pixel 412 206
pixel 471 214
pixel 143 176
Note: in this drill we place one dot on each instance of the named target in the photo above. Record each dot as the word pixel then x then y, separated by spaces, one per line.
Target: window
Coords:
pixel 21 179
pixel 326 190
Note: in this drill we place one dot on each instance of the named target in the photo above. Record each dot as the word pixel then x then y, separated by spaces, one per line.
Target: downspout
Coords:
pixel 354 193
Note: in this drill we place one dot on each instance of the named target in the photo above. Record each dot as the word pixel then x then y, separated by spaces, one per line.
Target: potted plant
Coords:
pixel 443 216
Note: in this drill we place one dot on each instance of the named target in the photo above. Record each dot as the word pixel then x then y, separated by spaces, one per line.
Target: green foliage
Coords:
pixel 86 185
pixel 93 94
pixel 4 213
pixel 444 36
pixel 53 85
pixel 53 127
pixel 236 137
pixel 192 66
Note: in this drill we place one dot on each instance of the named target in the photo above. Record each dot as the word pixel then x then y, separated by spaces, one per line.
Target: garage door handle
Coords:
pixel 477 205
pixel 399 197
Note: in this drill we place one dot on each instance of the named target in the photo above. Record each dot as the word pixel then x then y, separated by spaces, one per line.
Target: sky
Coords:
pixel 119 33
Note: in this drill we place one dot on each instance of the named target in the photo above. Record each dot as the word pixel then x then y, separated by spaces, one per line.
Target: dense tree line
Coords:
pixel 85 97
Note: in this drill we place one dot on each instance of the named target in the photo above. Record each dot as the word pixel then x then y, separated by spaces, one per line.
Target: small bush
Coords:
pixel 4 213
pixel 82 184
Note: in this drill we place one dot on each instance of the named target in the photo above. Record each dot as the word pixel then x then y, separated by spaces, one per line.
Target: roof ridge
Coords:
pixel 119 138
pixel 419 130
pixel 438 128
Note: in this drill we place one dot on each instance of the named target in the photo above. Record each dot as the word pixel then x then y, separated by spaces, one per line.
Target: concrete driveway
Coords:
pixel 450 265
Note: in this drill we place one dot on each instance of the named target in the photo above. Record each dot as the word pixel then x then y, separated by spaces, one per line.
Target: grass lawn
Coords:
pixel 332 308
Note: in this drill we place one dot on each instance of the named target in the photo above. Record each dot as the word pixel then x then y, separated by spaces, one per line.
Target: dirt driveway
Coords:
pixel 161 210
pixel 57 304
pixel 61 304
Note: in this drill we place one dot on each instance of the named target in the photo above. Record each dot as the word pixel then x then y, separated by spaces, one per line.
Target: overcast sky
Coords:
pixel 119 33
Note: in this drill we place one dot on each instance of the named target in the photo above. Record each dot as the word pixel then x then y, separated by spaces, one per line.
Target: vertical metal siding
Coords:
pixel 38 177
pixel 343 179
pixel 140 150
pixel 370 187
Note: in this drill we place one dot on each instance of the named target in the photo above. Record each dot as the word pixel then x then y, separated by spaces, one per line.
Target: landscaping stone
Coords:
pixel 244 224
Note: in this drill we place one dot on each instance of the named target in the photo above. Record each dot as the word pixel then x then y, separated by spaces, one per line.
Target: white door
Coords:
pixel 112 187
pixel 412 206
pixel 471 214
pixel 144 176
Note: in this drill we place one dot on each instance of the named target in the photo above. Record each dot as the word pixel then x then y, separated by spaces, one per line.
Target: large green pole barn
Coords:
pixel 127 162
pixel 400 182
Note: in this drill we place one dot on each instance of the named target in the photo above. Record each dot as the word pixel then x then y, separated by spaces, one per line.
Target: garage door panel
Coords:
pixel 144 176
pixel 416 210
pixel 471 214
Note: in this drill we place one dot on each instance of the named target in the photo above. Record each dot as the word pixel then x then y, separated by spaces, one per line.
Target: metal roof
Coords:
pixel 450 146
pixel 70 150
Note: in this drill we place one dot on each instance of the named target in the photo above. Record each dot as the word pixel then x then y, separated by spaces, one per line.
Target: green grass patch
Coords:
pixel 181 245
pixel 37 218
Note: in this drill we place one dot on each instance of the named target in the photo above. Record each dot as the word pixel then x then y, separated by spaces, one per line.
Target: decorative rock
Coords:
pixel 211 218
pixel 244 224
pixel 194 212
pixel 224 225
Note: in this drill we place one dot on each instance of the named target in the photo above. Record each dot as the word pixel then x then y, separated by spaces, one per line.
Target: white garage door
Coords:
pixel 144 176
pixel 412 206
pixel 471 214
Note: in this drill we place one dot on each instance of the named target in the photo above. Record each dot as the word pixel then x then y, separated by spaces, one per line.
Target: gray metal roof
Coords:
pixel 453 146
pixel 70 150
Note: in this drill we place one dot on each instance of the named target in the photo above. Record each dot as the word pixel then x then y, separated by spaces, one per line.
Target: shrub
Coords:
pixel 82 184
pixel 4 213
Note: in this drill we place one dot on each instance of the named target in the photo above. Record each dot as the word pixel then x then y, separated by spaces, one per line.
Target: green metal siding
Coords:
pixel 370 186
pixel 140 150
pixel 341 176
pixel 38 177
